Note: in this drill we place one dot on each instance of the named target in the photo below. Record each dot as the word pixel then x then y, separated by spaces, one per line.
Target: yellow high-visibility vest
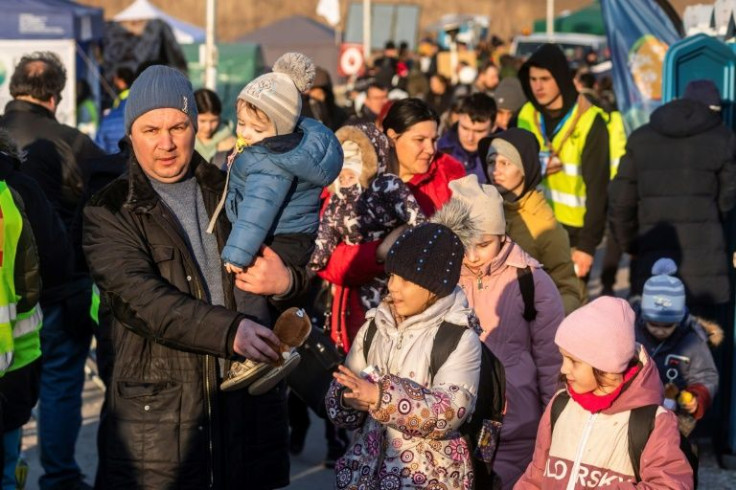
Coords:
pixel 19 339
pixel 565 190
pixel 616 139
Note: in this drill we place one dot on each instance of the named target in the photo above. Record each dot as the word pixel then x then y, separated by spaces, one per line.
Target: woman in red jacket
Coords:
pixel 411 127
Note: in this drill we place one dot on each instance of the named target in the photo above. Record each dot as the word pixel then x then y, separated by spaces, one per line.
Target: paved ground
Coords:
pixel 307 472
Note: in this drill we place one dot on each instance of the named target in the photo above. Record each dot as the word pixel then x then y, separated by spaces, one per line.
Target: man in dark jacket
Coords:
pixel 55 154
pixel 477 114
pixel 671 194
pixel 166 424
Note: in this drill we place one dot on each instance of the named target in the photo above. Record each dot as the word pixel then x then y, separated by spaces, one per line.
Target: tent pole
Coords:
pixel 210 50
pixel 366 30
pixel 550 17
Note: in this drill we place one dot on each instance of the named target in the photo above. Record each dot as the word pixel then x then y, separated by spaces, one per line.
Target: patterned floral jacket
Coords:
pixel 411 440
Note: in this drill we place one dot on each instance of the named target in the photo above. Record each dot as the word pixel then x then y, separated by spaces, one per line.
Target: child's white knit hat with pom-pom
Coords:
pixel 663 298
pixel 279 93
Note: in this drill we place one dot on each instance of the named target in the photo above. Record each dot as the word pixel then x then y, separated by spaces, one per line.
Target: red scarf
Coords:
pixel 597 403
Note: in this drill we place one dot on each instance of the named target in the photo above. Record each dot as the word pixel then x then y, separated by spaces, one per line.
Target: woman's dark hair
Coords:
pixel 406 113
pixel 207 102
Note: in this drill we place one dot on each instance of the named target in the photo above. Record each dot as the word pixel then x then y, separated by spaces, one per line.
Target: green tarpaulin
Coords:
pixel 587 20
pixel 238 64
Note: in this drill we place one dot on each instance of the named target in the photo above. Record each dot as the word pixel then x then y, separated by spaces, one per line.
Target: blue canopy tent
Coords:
pixel 50 19
pixel 67 28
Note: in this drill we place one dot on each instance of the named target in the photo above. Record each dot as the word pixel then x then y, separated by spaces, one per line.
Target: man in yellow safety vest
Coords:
pixel 574 144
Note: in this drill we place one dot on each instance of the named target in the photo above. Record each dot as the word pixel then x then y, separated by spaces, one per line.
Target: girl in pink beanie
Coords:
pixel 584 438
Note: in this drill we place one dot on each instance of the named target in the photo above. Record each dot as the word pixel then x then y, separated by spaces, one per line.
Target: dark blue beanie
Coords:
pixel 160 87
pixel 429 255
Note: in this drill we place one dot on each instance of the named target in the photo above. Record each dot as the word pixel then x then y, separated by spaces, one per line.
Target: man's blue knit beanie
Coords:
pixel 160 87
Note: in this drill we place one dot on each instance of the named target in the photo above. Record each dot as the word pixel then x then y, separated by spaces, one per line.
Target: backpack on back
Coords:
pixel 641 425
pixel 484 425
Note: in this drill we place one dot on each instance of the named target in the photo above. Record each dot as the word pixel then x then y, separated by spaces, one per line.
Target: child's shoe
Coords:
pixel 292 328
pixel 266 382
pixel 242 374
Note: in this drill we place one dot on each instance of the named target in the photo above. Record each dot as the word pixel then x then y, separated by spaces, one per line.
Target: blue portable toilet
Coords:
pixel 697 58
pixel 701 57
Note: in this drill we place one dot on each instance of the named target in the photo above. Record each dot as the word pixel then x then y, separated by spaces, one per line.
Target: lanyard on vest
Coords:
pixel 579 110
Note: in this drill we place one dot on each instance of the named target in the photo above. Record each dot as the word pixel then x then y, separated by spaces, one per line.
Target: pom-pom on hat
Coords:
pixel 279 93
pixel 484 203
pixel 429 255
pixel 663 299
pixel 160 87
pixel 601 334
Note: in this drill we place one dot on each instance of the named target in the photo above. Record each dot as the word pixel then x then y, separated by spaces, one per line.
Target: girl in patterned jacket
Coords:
pixel 608 375
pixel 406 424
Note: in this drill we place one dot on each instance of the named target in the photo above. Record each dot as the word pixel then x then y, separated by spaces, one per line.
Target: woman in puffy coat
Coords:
pixel 494 269
pixel 411 127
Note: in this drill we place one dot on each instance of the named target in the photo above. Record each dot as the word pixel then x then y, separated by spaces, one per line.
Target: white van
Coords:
pixel 571 44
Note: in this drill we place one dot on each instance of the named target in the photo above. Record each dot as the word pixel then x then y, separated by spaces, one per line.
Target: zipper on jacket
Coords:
pixel 579 455
pixel 209 419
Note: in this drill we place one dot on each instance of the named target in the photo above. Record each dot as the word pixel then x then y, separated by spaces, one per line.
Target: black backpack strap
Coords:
pixel 370 332
pixel 558 405
pixel 445 341
pixel 641 425
pixel 526 285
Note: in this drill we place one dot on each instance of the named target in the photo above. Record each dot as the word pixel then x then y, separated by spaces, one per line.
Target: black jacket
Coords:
pixel 166 425
pixel 673 188
pixel 55 152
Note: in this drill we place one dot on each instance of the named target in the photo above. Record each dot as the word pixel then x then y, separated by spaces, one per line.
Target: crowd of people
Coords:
pixel 202 254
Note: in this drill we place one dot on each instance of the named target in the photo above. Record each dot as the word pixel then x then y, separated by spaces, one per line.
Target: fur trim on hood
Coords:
pixel 374 147
pixel 713 330
pixel 455 215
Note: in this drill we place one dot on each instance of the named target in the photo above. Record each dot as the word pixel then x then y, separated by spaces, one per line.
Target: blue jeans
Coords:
pixel 60 401
pixel 11 446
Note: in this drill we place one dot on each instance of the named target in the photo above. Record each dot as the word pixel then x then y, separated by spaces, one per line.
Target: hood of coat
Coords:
pixel 645 388
pixel 527 146
pixel 8 146
pixel 510 255
pixel 374 149
pixel 684 117
pixel 712 330
pixel 533 202
pixel 452 308
pixel 550 57
pixel 317 158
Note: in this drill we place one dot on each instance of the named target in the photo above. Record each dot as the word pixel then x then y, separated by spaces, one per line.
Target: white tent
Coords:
pixel 143 10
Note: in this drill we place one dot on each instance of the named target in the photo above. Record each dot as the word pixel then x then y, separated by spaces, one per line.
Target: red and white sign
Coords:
pixel 351 60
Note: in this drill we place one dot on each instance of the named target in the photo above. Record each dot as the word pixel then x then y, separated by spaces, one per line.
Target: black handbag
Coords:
pixel 311 379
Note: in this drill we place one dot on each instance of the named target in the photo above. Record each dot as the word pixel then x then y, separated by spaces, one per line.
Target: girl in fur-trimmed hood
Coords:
pixel 366 204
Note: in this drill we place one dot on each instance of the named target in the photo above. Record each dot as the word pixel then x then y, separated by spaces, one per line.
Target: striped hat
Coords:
pixel 663 299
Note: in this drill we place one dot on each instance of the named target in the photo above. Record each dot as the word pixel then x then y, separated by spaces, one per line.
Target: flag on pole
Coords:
pixel 330 10
pixel 639 33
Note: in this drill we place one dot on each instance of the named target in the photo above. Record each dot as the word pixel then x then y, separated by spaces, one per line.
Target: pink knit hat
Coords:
pixel 601 334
